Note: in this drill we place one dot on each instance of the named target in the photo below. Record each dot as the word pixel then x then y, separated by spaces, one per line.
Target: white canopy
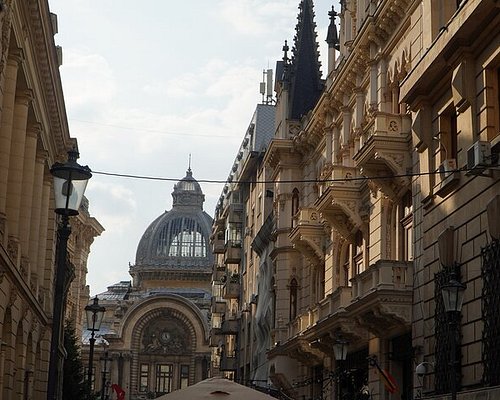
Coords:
pixel 216 388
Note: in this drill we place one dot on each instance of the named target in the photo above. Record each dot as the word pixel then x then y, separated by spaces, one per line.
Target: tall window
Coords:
pixel 406 223
pixel 448 134
pixel 295 203
pixel 184 377
pixel 164 373
pixel 144 378
pixel 319 282
pixel 293 299
pixel 358 261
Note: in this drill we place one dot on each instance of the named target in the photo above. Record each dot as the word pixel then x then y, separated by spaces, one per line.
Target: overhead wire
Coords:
pixel 258 181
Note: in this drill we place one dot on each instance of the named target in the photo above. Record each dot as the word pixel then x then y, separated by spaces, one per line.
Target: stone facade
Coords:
pixel 392 163
pixel 33 135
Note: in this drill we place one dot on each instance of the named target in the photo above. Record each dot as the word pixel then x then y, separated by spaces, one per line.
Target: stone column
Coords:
pixel 336 144
pixel 36 213
pixel 43 270
pixel 26 215
pixel 16 162
pixel 9 94
pixel 382 85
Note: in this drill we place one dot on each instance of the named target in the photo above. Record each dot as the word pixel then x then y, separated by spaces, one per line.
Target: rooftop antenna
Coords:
pixel 263 87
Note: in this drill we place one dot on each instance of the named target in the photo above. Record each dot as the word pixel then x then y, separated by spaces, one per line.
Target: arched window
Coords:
pixel 295 203
pixel 182 237
pixel 293 298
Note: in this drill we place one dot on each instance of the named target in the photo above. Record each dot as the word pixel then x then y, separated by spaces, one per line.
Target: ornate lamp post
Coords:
pixel 70 181
pixel 453 297
pixel 340 353
pixel 94 313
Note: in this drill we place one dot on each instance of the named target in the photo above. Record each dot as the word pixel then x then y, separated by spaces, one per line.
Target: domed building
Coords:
pixel 154 334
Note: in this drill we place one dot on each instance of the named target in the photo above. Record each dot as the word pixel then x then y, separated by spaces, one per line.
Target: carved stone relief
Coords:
pixel 165 336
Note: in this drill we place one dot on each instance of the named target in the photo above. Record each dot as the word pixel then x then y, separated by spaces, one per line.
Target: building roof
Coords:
pixel 179 238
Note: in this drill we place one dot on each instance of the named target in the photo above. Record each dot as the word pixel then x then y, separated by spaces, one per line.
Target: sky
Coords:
pixel 146 84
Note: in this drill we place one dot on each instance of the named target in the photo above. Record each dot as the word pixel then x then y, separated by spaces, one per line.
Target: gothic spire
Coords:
pixel 305 73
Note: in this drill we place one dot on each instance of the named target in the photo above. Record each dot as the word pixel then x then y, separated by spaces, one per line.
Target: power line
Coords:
pixel 336 180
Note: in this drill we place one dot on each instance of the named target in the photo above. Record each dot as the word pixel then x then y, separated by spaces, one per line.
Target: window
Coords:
pixel 346 268
pixel 358 261
pixel 184 377
pixel 492 109
pixel 406 223
pixel 293 299
pixel 144 378
pixel 447 135
pixel 182 237
pixel 164 374
pixel 319 283
pixel 295 204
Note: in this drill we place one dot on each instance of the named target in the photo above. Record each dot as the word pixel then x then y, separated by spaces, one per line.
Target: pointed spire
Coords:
pixel 189 166
pixel 305 73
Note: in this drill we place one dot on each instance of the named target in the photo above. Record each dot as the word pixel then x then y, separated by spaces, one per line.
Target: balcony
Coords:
pixel 232 253
pixel 382 296
pixel 308 234
pixel 218 245
pixel 330 308
pixel 235 213
pixel 219 272
pixel 218 305
pixel 216 337
pixel 227 362
pixel 231 289
pixel 384 152
pixel 230 326
pixel 340 200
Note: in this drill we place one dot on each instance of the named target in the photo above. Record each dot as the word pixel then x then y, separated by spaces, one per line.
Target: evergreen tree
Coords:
pixel 74 386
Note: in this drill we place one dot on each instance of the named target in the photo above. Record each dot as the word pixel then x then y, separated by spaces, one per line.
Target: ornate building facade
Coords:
pixel 372 172
pixel 155 329
pixel 34 134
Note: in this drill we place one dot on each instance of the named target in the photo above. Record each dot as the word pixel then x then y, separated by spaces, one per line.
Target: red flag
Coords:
pixel 120 393
pixel 389 381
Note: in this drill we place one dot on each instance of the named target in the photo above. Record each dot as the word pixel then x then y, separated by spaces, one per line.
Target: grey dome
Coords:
pixel 179 238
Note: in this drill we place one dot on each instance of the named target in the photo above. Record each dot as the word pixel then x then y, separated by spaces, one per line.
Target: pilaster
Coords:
pixel 26 213
pixel 16 161
pixel 9 95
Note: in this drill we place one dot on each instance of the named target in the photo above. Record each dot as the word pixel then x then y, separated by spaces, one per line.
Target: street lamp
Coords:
pixel 453 296
pixel 70 181
pixel 340 353
pixel 94 313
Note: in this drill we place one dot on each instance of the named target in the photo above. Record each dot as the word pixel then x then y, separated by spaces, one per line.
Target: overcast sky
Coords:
pixel 147 83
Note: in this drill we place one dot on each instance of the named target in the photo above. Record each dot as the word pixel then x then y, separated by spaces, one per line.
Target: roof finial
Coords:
pixel 285 52
pixel 332 37
pixel 189 164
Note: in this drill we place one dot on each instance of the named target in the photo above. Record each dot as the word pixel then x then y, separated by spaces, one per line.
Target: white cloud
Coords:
pixel 257 17
pixel 88 79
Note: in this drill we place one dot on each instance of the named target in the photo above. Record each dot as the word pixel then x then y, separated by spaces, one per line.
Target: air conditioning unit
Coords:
pixel 478 157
